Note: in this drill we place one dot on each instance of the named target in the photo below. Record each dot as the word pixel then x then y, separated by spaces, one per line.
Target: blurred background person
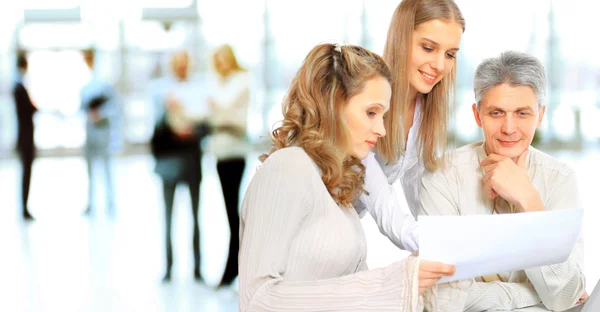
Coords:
pixel 25 143
pixel 175 145
pixel 230 96
pixel 100 102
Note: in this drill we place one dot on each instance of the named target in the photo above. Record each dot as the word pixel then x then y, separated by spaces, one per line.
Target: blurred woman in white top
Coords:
pixel 230 96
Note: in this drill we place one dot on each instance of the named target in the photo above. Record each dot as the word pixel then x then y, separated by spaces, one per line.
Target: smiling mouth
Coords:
pixel 429 78
pixel 508 143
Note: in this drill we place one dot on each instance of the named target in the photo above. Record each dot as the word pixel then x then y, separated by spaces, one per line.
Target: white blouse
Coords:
pixel 393 198
pixel 231 98
pixel 300 251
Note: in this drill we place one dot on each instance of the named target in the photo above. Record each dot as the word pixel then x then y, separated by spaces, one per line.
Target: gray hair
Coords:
pixel 513 68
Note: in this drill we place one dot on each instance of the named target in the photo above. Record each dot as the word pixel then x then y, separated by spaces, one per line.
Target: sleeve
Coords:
pixel 386 206
pixel 111 109
pixel 561 285
pixel 274 211
pixel 157 99
pixel 83 101
pixel 438 195
pixel 438 198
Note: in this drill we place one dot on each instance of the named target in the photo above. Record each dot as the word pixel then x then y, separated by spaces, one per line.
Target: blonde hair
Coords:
pixel 226 51
pixel 313 113
pixel 437 104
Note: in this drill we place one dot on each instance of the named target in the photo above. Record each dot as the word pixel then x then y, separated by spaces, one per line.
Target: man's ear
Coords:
pixel 541 117
pixel 477 116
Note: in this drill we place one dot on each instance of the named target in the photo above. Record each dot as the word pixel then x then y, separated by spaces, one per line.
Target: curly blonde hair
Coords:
pixel 313 113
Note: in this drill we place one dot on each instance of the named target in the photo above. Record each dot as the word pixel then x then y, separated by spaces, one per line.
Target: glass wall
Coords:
pixel 271 38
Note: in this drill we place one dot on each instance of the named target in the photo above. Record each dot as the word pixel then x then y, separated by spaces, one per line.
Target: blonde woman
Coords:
pixel 421 49
pixel 230 96
pixel 302 243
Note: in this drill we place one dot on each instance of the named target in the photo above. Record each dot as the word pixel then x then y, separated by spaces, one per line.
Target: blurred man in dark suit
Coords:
pixel 25 145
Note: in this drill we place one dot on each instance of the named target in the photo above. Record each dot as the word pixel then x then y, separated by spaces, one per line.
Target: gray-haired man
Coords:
pixel 504 174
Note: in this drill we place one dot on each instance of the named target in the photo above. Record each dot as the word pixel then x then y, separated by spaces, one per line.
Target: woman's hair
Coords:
pixel 226 51
pixel 437 104
pixel 313 113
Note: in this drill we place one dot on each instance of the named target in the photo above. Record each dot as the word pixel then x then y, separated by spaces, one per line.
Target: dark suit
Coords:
pixel 179 161
pixel 25 144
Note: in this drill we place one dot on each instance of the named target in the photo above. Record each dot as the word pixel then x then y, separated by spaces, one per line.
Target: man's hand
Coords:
pixel 181 127
pixel 507 179
pixel 583 298
pixel 94 115
pixel 173 103
pixel 184 134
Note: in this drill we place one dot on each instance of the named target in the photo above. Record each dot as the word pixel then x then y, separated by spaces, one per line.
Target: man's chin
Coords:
pixel 510 152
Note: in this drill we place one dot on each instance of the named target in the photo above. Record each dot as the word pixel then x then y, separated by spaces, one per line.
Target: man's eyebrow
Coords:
pixel 525 108
pixel 494 108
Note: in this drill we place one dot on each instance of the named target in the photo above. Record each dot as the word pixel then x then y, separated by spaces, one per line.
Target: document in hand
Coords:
pixel 480 245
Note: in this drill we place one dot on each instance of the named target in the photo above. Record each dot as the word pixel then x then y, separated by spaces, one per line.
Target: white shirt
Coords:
pixel 393 199
pixel 458 190
pixel 231 97
pixel 409 169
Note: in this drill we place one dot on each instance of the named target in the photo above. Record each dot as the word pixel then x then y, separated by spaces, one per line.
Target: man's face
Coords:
pixel 180 63
pixel 508 116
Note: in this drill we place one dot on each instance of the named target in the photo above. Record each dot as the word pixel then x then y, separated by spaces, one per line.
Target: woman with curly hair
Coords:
pixel 302 243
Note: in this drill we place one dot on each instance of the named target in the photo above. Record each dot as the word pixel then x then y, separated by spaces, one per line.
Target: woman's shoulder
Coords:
pixel 293 157
pixel 288 168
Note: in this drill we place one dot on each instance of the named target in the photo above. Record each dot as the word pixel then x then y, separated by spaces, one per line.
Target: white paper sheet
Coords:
pixel 488 244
